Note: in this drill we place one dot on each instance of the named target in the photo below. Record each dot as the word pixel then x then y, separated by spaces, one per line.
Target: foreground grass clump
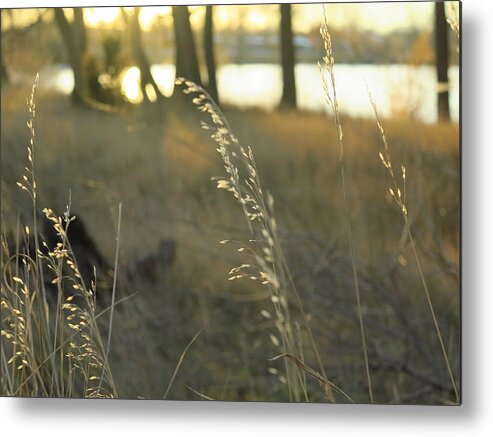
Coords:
pixel 51 342
pixel 51 345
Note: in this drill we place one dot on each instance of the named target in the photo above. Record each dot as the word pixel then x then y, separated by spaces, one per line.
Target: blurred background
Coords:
pixel 391 46
pixel 112 128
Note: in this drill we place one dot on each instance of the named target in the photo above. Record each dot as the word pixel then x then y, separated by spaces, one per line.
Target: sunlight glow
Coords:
pixel 258 20
pixel 150 93
pixel 131 85
pixel 380 17
pixel 149 14
pixel 101 15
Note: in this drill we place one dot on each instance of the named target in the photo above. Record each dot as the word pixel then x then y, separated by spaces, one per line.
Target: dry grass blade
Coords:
pixel 314 374
pixel 203 396
pixel 113 291
pixel 178 365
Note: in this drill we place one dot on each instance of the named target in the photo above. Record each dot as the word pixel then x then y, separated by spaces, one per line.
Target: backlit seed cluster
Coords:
pixel 242 180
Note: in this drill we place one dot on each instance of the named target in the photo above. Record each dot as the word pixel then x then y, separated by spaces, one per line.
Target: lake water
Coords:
pixel 396 89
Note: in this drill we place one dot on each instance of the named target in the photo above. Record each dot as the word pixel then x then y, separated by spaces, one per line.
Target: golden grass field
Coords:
pixel 160 170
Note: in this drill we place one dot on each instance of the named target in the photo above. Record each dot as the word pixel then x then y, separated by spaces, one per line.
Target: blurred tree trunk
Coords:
pixel 441 55
pixel 140 57
pixel 80 29
pixel 288 99
pixel 209 52
pixel 14 32
pixel 74 37
pixel 240 37
pixel 187 64
pixel 4 78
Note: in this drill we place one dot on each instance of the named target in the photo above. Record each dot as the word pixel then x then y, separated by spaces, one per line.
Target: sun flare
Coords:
pixel 103 15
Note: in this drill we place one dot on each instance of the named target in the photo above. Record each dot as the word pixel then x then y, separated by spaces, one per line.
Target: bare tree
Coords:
pixel 11 33
pixel 139 55
pixel 80 28
pixel 75 39
pixel 209 52
pixel 187 64
pixel 442 61
pixel 288 99
pixel 4 77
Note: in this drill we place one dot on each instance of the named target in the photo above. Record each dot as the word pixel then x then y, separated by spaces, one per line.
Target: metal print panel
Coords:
pixel 254 202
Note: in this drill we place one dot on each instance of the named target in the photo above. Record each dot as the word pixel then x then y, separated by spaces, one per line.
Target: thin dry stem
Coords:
pixel 331 97
pixel 399 197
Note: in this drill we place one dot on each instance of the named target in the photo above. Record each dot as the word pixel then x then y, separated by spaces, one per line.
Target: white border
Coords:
pixel 474 418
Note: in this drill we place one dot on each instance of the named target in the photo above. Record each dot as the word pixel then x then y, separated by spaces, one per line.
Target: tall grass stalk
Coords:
pixel 399 197
pixel 270 266
pixel 327 68
pixel 113 291
pixel 28 184
pixel 454 16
